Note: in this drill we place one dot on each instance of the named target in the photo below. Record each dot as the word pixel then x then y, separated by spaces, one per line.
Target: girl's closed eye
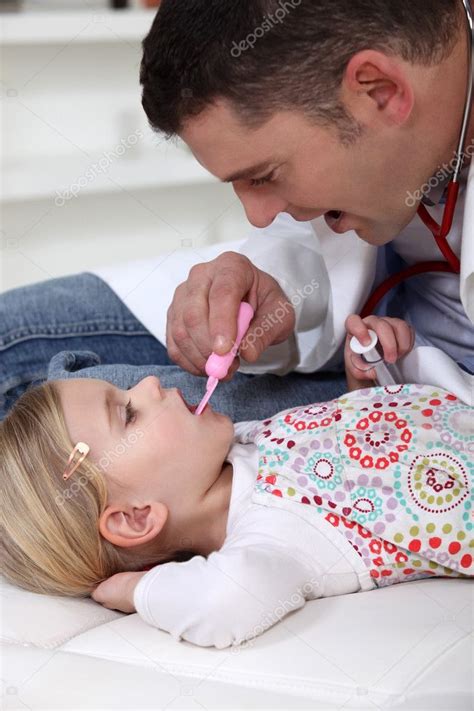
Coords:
pixel 130 413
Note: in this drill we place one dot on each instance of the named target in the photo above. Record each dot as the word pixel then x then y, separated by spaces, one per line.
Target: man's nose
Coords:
pixel 261 209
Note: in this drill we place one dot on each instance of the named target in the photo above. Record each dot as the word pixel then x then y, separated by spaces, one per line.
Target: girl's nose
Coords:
pixel 150 386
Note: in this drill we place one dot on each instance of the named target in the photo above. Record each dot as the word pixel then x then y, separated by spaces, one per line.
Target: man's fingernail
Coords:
pixel 220 342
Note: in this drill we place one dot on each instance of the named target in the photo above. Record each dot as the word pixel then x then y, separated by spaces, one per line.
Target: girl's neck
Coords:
pixel 204 531
pixel 214 523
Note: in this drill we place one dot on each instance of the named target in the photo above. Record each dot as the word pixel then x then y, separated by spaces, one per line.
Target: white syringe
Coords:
pixel 386 374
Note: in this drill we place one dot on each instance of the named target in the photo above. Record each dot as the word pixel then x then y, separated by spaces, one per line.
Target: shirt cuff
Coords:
pixel 140 596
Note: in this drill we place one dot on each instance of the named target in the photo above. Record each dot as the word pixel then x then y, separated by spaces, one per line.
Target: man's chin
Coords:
pixel 375 241
pixel 377 235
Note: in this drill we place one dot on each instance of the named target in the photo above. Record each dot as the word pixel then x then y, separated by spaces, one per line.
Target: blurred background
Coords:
pixel 84 180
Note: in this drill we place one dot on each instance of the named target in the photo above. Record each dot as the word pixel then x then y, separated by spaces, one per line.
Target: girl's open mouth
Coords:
pixel 192 408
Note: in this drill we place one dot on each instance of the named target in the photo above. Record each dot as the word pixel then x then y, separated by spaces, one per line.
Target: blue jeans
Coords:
pixel 81 313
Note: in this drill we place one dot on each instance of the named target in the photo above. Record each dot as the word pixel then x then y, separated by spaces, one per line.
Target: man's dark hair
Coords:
pixel 264 56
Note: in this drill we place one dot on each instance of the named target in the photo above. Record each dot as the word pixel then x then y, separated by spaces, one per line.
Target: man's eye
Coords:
pixel 256 182
pixel 130 413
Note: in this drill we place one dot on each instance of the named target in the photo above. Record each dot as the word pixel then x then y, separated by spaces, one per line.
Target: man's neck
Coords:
pixel 470 137
pixel 452 80
pixel 470 141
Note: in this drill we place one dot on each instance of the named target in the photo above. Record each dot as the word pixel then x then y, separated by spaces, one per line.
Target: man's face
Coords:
pixel 308 172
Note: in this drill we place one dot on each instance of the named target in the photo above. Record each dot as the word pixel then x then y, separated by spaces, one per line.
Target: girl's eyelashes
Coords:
pixel 130 413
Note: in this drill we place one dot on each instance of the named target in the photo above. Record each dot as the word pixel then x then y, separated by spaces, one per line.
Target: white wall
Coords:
pixel 84 180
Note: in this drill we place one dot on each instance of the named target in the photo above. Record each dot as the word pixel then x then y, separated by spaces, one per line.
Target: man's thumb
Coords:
pixel 267 329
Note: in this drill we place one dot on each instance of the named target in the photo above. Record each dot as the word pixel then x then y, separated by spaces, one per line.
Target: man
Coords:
pixel 336 109
pixel 329 118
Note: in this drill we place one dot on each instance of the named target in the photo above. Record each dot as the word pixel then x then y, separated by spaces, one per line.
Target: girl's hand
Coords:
pixel 116 592
pixel 396 339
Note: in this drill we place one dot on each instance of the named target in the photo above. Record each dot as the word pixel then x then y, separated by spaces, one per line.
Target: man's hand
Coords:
pixel 396 338
pixel 116 592
pixel 203 314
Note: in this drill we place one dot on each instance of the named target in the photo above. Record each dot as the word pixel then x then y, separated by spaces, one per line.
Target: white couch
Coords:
pixel 409 646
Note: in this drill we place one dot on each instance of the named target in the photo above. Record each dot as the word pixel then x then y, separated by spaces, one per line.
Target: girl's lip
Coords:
pixel 192 408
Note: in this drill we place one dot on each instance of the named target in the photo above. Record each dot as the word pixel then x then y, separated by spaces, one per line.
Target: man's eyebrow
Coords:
pixel 247 172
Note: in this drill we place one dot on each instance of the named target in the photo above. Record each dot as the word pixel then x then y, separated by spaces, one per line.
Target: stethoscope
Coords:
pixel 441 231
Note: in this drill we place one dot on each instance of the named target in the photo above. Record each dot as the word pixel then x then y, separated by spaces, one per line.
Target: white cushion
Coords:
pixel 407 646
pixel 47 621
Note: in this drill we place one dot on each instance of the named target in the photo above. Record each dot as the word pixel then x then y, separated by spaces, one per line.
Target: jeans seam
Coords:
pixel 15 337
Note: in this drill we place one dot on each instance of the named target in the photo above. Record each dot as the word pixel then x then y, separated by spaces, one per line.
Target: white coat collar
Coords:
pixel 467 250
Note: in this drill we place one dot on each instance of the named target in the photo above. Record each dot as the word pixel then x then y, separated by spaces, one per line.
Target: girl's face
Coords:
pixel 146 439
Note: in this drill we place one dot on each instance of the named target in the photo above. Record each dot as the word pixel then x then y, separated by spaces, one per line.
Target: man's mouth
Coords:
pixel 333 216
pixel 337 222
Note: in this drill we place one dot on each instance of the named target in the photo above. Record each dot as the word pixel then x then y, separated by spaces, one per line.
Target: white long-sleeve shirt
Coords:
pixel 272 562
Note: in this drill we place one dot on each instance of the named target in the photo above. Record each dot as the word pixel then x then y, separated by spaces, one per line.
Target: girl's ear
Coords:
pixel 128 526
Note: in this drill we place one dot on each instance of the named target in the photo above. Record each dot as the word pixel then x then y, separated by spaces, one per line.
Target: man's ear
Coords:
pixel 378 86
pixel 128 526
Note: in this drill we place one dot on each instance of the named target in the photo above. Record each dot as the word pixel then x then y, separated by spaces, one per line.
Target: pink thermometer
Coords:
pixel 217 366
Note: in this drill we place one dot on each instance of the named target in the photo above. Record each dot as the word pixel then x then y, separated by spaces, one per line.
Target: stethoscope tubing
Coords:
pixel 440 233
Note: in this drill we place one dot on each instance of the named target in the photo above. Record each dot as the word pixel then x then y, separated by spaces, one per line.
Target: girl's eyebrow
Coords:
pixel 107 408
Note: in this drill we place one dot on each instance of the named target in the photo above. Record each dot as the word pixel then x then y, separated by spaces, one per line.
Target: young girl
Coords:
pixel 239 524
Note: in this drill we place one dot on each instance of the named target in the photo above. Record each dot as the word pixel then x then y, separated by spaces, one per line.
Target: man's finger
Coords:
pixel 227 291
pixel 272 324
pixel 177 356
pixel 194 307
pixel 175 352
pixel 232 370
pixel 257 339
pixel 195 317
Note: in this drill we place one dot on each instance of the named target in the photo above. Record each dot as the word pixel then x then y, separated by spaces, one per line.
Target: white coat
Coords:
pixel 326 277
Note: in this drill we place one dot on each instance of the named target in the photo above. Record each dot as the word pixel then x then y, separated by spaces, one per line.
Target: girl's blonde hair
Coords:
pixel 50 539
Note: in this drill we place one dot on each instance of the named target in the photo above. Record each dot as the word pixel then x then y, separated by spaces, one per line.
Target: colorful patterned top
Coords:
pixel 391 468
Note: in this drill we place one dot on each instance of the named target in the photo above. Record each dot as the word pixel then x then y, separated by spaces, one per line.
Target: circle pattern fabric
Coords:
pixel 390 468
